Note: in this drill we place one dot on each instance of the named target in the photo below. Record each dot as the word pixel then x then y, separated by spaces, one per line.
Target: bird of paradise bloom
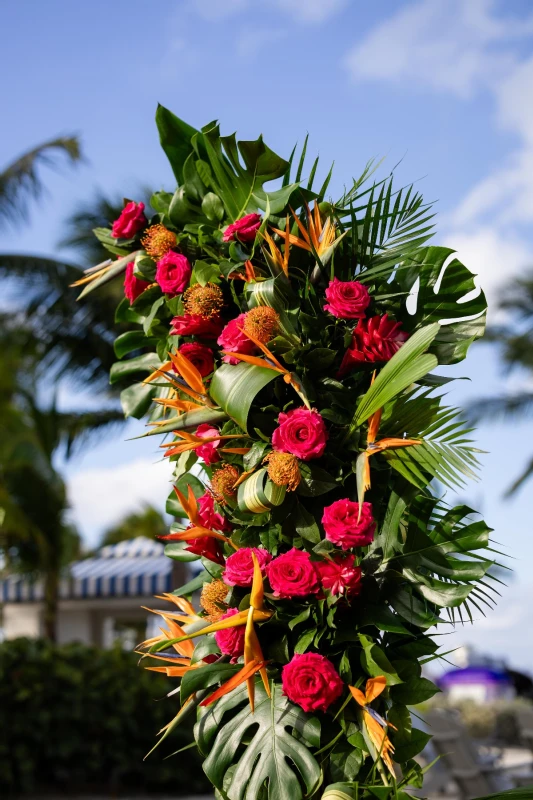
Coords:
pixel 190 506
pixel 373 447
pixel 192 383
pixel 374 724
pixel 317 238
pixel 253 655
pixel 190 441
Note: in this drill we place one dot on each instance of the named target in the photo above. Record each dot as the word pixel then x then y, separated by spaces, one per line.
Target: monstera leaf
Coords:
pixel 235 171
pixel 277 736
pixel 439 298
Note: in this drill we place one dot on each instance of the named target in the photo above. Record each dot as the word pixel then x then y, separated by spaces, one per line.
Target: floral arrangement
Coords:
pixel 284 345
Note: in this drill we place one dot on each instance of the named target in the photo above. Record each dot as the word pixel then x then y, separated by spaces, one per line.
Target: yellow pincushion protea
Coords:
pixel 158 241
pixel 203 301
pixel 283 470
pixel 261 322
pixel 223 483
pixel 212 599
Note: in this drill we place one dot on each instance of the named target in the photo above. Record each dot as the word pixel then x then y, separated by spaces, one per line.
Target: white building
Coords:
pixel 100 598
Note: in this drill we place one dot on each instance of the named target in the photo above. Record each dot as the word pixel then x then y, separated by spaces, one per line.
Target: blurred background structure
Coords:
pixel 439 87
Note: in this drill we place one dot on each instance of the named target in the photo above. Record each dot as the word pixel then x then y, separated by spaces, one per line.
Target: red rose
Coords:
pixel 130 222
pixel 244 229
pixel 340 575
pixel 207 451
pixel 301 432
pixel 133 286
pixel 240 566
pixel 209 518
pixel 311 681
pixel 173 273
pixel 231 640
pixel 195 325
pixel 374 339
pixel 347 299
pixel 341 525
pixel 206 546
pixel 292 575
pixel 235 340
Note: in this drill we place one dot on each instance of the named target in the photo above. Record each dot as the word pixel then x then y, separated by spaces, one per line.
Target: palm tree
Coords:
pixel 515 337
pixel 35 536
pixel 48 337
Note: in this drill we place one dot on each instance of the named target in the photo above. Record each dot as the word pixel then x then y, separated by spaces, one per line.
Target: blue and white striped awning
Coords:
pixel 128 569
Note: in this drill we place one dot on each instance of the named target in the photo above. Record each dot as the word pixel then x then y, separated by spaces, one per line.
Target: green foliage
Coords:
pixel 74 716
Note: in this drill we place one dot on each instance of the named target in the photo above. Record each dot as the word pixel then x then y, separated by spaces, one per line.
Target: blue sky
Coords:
pixel 441 84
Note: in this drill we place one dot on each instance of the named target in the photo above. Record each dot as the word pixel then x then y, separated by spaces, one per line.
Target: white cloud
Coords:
pixel 448 45
pixel 100 497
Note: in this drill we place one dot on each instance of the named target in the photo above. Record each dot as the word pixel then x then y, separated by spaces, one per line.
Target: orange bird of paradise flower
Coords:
pixel 373 447
pixel 374 724
pixel 190 506
pixel 192 383
pixel 253 655
pixel 317 238
pixel 190 441
pixel 181 664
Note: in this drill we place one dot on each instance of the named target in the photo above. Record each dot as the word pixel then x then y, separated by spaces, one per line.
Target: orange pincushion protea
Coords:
pixel 261 322
pixel 158 241
pixel 283 470
pixel 203 301
pixel 212 599
pixel 223 483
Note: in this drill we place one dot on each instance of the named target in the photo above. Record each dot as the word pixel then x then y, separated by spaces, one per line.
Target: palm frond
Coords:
pixel 20 181
pixel 446 453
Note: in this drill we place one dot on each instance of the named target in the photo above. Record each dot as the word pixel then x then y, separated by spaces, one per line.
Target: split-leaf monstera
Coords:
pixel 288 356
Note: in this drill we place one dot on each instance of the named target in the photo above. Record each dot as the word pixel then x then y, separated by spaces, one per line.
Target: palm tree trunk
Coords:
pixel 51 588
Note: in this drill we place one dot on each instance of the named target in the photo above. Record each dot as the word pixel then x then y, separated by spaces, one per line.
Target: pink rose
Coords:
pixel 208 451
pixel 375 339
pixel 235 340
pixel 240 566
pixel 347 299
pixel 311 681
pixel 173 273
pixel 341 525
pixel 130 222
pixel 292 575
pixel 244 229
pixel 195 325
pixel 301 432
pixel 340 575
pixel 200 356
pixel 133 286
pixel 210 518
pixel 231 640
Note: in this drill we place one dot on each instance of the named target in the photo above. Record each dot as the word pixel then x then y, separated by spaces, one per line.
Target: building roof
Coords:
pixel 134 568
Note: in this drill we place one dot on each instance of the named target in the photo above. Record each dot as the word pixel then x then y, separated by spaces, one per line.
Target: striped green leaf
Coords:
pixel 258 494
